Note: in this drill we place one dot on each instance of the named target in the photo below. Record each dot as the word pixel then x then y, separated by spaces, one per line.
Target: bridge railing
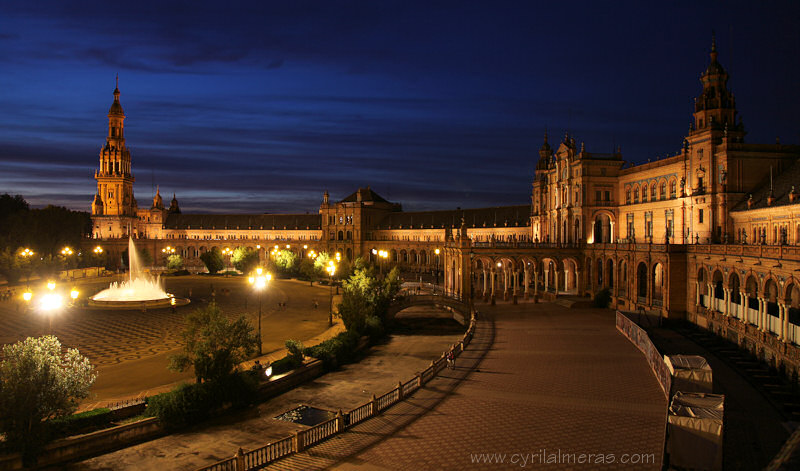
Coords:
pixel 269 453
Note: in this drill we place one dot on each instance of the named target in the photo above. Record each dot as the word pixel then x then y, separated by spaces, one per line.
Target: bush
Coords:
pixel 336 351
pixel 192 403
pixel 79 423
pixel 374 329
pixel 180 273
pixel 602 298
pixel 282 366
pixel 295 348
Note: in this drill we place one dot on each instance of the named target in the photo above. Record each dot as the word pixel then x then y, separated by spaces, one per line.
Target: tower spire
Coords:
pixel 713 52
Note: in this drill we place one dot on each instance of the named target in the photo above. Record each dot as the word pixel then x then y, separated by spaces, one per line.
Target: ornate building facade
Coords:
pixel 710 234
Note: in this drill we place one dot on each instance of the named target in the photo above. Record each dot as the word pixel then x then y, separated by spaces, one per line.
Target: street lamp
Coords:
pixel 228 252
pixel 26 254
pixel 331 269
pixel 436 282
pixel 259 283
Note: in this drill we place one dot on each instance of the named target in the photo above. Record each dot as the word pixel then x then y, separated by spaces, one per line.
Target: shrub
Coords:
pixel 602 298
pixel 282 366
pixel 374 329
pixel 336 351
pixel 79 423
pixel 192 403
pixel 295 348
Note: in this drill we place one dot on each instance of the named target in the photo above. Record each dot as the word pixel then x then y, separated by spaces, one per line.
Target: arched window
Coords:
pixel 653 192
pixel 341 235
pixel 636 195
pixel 662 194
pixel 673 189
pixel 628 196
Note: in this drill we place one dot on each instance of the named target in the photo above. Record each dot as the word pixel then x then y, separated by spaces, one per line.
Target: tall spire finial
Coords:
pixel 713 53
pixel 545 134
pixel 117 84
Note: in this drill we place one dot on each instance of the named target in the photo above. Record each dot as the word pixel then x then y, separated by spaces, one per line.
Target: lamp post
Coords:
pixel 259 282
pixel 26 255
pixel 436 282
pixel 331 269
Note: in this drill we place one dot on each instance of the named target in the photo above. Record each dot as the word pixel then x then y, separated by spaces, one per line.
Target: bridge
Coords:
pixel 460 309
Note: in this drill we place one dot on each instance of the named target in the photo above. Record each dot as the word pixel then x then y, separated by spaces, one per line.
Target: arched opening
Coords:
pixel 718 295
pixel 602 228
pixel 658 284
pixel 341 235
pixel 589 280
pixel 609 273
pixel 736 296
pixel 622 279
pixel 792 300
pixel 349 235
pixel 702 288
pixel 599 264
pixel 393 255
pixel 751 288
pixel 771 296
pixel 641 282
pixel 578 230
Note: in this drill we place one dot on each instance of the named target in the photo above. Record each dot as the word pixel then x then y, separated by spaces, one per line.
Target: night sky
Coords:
pixel 261 106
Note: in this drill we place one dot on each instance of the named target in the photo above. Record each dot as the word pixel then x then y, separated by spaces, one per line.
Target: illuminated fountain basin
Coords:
pixel 138 292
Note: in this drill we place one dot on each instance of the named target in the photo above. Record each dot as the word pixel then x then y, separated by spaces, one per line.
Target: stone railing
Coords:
pixel 302 439
pixel 778 252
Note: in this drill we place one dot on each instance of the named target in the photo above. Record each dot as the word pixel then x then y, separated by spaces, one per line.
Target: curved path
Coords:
pixel 541 380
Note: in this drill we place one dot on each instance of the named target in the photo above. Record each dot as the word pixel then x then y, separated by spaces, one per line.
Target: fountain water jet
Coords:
pixel 138 292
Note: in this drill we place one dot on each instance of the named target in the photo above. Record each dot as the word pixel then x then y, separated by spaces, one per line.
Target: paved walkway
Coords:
pixel 538 379
pixel 401 358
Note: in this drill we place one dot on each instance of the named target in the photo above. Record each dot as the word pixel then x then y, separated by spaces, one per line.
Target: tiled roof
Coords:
pixel 782 183
pixel 243 221
pixel 500 216
pixel 366 195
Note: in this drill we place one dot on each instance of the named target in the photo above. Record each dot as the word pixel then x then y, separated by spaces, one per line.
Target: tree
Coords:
pixel 213 345
pixel 11 266
pixel 213 260
pixel 307 270
pixel 175 262
pixel 365 297
pixel 285 262
pixel 245 259
pixel 39 382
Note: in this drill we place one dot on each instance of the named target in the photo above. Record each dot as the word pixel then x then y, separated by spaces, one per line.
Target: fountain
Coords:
pixel 139 292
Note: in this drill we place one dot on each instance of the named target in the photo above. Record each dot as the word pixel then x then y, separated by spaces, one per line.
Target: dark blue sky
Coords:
pixel 261 106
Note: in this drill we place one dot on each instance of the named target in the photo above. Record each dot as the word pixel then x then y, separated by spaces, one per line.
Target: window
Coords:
pixel 608 196
pixel 597 196
pixel 636 195
pixel 700 216
pixel 653 192
pixel 340 220
pixel 672 189
pixel 663 191
pixel 628 196
pixel 644 194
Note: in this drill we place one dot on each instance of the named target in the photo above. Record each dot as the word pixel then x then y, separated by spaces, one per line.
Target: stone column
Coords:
pixel 578 282
pixel 762 309
pixel 485 283
pixel 697 293
pixel 710 291
pixel 566 279
pixel 555 285
pixel 535 283
pixel 546 279
pixel 493 276
pixel 782 315
pixel 611 233
pixel 726 293
pixel 515 282
pixel 743 306
pixel 591 235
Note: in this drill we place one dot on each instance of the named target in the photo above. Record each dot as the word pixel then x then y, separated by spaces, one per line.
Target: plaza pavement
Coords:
pixel 131 348
pixel 536 380
pixel 400 358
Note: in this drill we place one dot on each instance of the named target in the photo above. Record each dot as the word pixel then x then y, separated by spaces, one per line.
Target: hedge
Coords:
pixel 79 423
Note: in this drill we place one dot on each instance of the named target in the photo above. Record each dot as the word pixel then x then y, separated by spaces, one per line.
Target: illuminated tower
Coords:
pixel 114 207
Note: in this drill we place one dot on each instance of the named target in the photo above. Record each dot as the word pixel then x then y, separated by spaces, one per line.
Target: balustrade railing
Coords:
pixel 260 457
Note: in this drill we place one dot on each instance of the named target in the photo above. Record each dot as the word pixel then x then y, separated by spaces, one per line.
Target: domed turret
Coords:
pixel 173 206
pixel 158 202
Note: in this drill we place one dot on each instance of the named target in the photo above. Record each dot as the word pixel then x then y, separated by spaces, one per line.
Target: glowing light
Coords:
pixel 98 250
pixel 259 270
pixel 51 285
pixel 251 280
pixel 436 251
pixel 268 371
pixel 499 264
pixel 27 295
pixel 66 251
pixel 305 247
pixel 374 252
pixel 74 294
pixel 50 302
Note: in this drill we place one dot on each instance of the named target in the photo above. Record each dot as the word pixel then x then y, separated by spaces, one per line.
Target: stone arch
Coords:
pixel 340 235
pixel 771 295
pixel 348 235
pixel 717 283
pixel 599 273
pixel 641 280
pixel 423 257
pixel 609 272
pixel 635 193
pixel 549 270
pixel 603 227
pixel 653 191
pixel 751 289
pixel 792 299
pixel 622 279
pixel 403 256
pixel 571 272
pixel 673 187
pixel 589 278
pixel 662 189
pixel 393 255
pixel 735 286
pixel 413 257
